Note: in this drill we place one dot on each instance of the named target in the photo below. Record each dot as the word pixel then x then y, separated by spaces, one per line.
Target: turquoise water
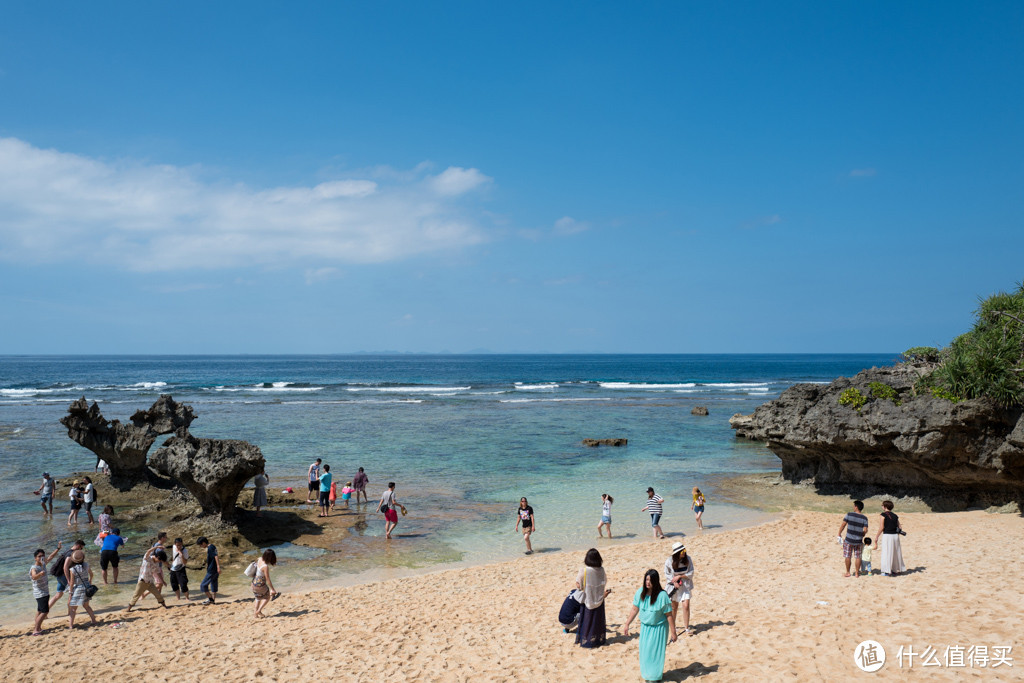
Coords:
pixel 463 436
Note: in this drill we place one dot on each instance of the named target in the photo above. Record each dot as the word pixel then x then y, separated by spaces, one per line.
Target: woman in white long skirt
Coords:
pixel 888 542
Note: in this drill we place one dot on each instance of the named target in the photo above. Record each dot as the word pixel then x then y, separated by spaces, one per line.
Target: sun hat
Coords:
pixel 78 556
pixel 677 547
pixel 650 489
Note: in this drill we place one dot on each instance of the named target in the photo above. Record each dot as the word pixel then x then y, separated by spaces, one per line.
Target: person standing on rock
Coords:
pixel 653 507
pixel 325 491
pixel 259 496
pixel 387 506
pixel 90 498
pixel 856 525
pixel 359 483
pixel 314 481
pixel 45 493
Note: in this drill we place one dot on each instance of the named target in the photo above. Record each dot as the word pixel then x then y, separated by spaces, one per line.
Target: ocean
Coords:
pixel 464 437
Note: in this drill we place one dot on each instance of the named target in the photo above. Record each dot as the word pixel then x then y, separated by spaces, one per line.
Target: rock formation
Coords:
pixel 699 410
pixel 124 446
pixel 213 470
pixel 593 443
pixel 961 453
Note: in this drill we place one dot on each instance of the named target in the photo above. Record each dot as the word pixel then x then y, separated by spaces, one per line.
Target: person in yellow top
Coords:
pixel 698 506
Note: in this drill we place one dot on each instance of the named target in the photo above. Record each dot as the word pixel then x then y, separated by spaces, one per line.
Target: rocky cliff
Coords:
pixel 954 454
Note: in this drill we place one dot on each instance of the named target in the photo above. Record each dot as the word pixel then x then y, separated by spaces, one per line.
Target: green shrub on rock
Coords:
pixel 921 354
pixel 884 391
pixel 853 398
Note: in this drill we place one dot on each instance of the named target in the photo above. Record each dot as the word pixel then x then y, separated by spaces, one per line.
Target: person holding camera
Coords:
pixel 679 583
pixel 890 559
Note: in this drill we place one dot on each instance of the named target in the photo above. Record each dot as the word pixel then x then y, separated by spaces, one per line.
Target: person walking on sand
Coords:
pixel 653 507
pixel 387 506
pixel 606 515
pixel 314 481
pixel 179 572
pixel 856 525
pixel 109 556
pixel 591 580
pixel 45 493
pixel 888 542
pixel 61 568
pixel 209 584
pixel 79 581
pixel 325 491
pixel 679 583
pixel 698 507
pixel 657 626
pixel 262 587
pixel 151 577
pixel 524 516
pixel 359 482
pixel 41 587
pixel 259 496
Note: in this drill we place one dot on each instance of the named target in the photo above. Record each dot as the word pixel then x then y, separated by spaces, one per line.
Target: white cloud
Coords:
pixel 455 181
pixel 862 172
pixel 56 206
pixel 315 275
pixel 567 225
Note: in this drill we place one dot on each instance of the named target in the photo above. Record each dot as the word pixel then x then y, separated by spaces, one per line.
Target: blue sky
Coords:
pixel 538 177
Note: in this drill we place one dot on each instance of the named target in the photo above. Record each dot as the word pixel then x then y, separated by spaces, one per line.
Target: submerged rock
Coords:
pixel 213 470
pixel 124 446
pixel 699 410
pixel 965 453
pixel 593 443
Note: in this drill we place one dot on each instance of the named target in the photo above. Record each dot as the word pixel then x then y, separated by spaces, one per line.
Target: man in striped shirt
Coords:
pixel 654 507
pixel 856 525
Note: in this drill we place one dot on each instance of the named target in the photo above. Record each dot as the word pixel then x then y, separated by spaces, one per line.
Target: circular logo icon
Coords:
pixel 869 656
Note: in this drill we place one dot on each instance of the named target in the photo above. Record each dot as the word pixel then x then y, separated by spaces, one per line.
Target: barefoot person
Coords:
pixel 262 586
pixel 698 507
pixel 76 496
pixel 45 493
pixel 61 568
pixel 259 496
pixel 41 587
pixel 657 626
pixel 325 492
pixel 387 506
pixel 109 556
pixel 653 506
pixel 606 515
pixel 679 583
pixel 179 573
pixel 209 584
pixel 856 525
pixel 524 516
pixel 314 481
pixel 89 495
pixel 79 581
pixel 359 482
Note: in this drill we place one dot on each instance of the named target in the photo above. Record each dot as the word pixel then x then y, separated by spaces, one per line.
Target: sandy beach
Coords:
pixel 770 603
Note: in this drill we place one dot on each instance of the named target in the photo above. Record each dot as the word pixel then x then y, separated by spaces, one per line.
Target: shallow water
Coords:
pixel 463 436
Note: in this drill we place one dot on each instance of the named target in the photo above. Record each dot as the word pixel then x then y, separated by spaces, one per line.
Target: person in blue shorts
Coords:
pixel 653 506
pixel 45 493
pixel 209 584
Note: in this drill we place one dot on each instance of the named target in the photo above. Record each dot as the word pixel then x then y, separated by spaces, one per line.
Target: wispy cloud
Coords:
pixel 56 206
pixel 566 225
pixel 315 275
pixel 862 172
pixel 762 221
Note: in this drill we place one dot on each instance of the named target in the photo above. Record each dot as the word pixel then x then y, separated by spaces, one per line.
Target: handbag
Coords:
pixel 91 589
pixel 384 506
pixel 250 571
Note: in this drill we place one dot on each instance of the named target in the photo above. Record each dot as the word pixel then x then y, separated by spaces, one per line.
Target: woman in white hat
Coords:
pixel 679 582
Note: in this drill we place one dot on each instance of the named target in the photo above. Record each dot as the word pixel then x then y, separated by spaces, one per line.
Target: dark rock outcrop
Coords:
pixel 699 410
pixel 124 446
pixel 593 443
pixel 971 451
pixel 213 470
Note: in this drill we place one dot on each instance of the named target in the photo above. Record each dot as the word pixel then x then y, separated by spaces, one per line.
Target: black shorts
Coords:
pixel 325 498
pixel 88 507
pixel 43 604
pixel 109 557
pixel 179 580
pixel 75 505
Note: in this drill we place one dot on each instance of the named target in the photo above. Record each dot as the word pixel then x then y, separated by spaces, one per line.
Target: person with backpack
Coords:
pixel 60 570
pixel 90 498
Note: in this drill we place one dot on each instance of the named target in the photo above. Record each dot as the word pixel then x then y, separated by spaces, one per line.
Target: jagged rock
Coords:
pixel 927 446
pixel 124 446
pixel 213 470
pixel 699 410
pixel 593 443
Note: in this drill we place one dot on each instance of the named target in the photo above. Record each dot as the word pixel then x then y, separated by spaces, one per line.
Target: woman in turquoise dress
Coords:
pixel 657 625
